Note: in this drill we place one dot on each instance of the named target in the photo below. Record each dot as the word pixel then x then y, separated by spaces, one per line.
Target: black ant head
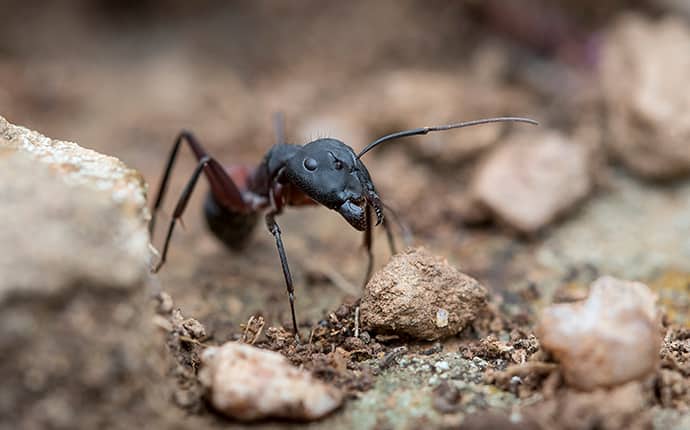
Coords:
pixel 332 174
pixel 328 171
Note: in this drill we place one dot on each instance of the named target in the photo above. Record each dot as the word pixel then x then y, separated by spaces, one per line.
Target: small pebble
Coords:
pixel 441 318
pixel 195 329
pixel 479 362
pixel 342 311
pixel 354 344
pixel 446 398
pixel 164 303
pixel 442 366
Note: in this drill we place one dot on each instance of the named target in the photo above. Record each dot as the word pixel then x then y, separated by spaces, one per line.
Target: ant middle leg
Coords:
pixel 275 231
pixel 404 229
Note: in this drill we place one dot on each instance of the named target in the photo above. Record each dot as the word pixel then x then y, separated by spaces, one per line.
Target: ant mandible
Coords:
pixel 324 171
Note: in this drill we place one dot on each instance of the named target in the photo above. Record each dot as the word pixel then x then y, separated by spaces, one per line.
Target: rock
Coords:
pixel 68 214
pixel 610 338
pixel 248 383
pixel 623 407
pixel 647 111
pixel 421 295
pixel 164 303
pixel 418 97
pixel 74 323
pixel 532 179
pixel 195 328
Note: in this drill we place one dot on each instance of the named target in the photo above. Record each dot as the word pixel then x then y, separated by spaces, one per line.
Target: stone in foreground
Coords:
pixel 644 73
pixel 68 214
pixel 421 295
pixel 533 178
pixel 77 349
pixel 608 339
pixel 248 383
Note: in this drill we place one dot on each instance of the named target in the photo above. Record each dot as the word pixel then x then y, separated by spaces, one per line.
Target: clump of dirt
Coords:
pixel 554 404
pixel 673 378
pixel 184 341
pixel 421 295
pixel 336 350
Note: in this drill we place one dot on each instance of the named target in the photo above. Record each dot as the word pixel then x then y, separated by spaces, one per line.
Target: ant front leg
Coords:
pixel 389 236
pixel 368 238
pixel 404 229
pixel 274 228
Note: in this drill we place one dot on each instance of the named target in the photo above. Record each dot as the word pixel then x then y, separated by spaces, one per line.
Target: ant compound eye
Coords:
pixel 338 164
pixel 310 164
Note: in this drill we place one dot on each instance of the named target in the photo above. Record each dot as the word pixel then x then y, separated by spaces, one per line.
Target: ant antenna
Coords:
pixel 425 130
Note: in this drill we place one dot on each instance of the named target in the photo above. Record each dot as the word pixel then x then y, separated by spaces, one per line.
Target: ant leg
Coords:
pixel 222 186
pixel 389 236
pixel 279 127
pixel 275 231
pixel 404 229
pixel 368 240
pixel 181 206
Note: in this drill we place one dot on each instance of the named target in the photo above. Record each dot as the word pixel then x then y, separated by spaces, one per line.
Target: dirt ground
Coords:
pixel 124 77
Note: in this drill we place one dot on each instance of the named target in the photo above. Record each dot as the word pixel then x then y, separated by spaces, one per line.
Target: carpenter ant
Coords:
pixel 324 171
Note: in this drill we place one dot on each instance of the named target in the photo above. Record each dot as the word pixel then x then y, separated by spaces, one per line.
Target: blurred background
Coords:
pixel 124 76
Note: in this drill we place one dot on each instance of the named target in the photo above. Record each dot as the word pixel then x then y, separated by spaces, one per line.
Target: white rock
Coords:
pixel 248 383
pixel 69 215
pixel 644 72
pixel 533 178
pixel 608 339
pixel 73 299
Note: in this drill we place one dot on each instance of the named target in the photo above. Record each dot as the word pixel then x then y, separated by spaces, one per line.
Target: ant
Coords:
pixel 324 171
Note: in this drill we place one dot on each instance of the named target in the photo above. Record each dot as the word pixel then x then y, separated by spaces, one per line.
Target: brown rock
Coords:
pixel 532 179
pixel 74 328
pixel 610 338
pixel 644 71
pixel 248 383
pixel 421 295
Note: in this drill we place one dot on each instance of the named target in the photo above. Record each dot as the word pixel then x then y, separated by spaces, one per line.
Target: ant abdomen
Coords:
pixel 232 228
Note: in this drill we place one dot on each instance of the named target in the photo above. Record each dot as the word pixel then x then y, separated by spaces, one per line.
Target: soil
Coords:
pixel 125 79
